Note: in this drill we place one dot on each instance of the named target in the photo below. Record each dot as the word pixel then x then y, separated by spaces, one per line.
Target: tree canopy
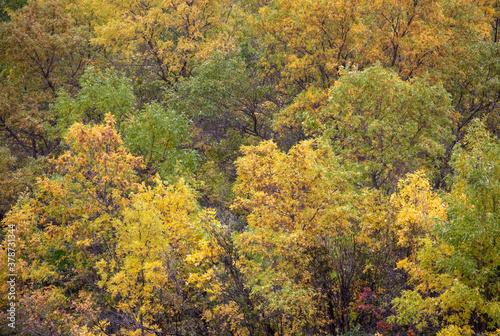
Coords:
pixel 251 167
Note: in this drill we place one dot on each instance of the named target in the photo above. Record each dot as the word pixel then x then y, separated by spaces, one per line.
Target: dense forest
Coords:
pixel 250 167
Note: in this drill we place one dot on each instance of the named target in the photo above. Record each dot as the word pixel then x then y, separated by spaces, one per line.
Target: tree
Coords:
pixel 164 36
pixel 16 178
pixel 416 206
pixel 230 103
pixel 42 49
pixel 45 46
pixel 471 77
pixel 389 126
pixel 310 40
pixel 227 93
pixel 162 137
pixel 68 225
pixel 455 274
pixel 146 279
pixel 413 36
pixel 296 268
pixel 100 93
pixel 159 135
pixel 12 5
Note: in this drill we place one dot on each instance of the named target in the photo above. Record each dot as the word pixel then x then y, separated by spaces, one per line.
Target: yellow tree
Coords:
pixel 415 35
pixel 309 40
pixel 163 35
pixel 68 225
pixel 297 266
pixel 416 207
pixel 101 253
pixel 146 279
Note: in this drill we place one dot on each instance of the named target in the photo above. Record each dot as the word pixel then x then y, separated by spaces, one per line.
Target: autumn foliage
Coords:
pixel 202 167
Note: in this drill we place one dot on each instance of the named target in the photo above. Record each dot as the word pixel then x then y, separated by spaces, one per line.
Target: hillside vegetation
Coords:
pixel 250 167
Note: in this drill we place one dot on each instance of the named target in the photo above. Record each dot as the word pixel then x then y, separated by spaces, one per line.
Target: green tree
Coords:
pixel 226 92
pixel 161 136
pixel 455 274
pixel 100 93
pixel 389 126
pixel 471 77
pixel 12 5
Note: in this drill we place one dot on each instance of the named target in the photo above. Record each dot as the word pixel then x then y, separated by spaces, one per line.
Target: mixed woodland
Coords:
pixel 250 167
